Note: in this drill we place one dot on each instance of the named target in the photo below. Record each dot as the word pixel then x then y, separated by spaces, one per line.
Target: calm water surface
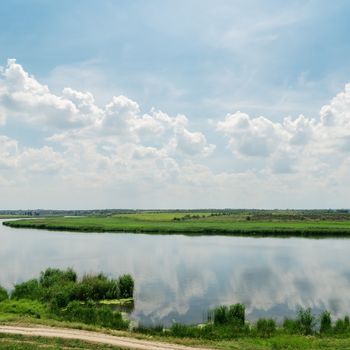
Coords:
pixel 180 277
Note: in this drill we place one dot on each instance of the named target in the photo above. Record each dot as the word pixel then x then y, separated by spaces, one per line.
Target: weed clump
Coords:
pixel 3 294
pixel 325 322
pixel 68 298
pixel 265 327
pixel 234 314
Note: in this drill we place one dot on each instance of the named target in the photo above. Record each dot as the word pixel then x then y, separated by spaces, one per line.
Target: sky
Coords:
pixel 164 104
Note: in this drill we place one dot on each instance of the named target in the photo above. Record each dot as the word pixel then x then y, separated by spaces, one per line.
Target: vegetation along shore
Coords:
pixel 60 298
pixel 239 222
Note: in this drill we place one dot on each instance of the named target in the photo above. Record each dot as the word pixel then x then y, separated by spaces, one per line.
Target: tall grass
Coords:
pixel 225 315
pixel 226 323
pixel 70 298
pixel 3 294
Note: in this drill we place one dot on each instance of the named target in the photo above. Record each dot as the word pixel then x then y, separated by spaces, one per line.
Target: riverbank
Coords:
pixel 58 298
pixel 280 341
pixel 242 223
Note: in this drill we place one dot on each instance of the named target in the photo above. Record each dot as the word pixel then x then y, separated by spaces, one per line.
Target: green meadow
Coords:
pixel 259 223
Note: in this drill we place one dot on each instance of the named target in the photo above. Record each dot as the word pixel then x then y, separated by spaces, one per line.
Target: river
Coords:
pixel 178 277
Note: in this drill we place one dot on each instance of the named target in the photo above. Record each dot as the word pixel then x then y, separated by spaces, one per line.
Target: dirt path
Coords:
pixel 123 342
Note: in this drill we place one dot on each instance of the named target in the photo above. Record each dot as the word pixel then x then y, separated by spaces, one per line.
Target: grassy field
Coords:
pixel 260 223
pixel 19 342
pixel 276 342
pixel 13 216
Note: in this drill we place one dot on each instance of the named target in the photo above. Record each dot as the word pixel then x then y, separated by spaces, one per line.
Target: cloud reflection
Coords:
pixel 178 278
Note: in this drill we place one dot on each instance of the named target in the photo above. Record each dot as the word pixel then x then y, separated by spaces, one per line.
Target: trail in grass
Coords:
pixel 94 337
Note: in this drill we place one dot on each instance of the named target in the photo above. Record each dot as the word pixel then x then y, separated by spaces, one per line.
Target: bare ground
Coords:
pixel 94 337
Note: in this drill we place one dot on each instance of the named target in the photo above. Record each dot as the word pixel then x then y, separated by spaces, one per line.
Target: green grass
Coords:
pixel 19 342
pixel 278 223
pixel 278 342
pixel 13 216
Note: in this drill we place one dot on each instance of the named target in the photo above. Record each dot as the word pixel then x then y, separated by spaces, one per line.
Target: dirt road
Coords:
pixel 94 337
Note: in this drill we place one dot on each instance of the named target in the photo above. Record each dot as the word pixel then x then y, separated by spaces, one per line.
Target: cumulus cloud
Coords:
pixel 89 144
pixel 255 137
pixel 118 147
pixel 8 152
pixel 191 143
pixel 293 145
pixel 23 97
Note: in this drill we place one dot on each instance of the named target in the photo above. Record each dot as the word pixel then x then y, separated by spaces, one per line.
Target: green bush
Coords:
pixel 306 321
pixel 59 296
pixel 24 307
pixel 91 313
pixel 96 287
pixel 236 314
pixel 150 330
pixel 325 322
pixel 3 294
pixel 126 286
pixel 220 315
pixel 265 327
pixel 291 326
pixel 342 326
pixel 51 276
pixel 181 330
pixel 27 290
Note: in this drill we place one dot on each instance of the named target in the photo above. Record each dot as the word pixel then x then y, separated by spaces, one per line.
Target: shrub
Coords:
pixel 181 330
pixel 91 313
pixel 265 327
pixel 126 286
pixel 96 287
pixel 306 321
pixel 78 312
pixel 51 276
pixel 291 326
pixel 220 315
pixel 59 295
pixel 224 315
pixel 3 294
pixel 342 326
pixel 236 313
pixel 27 290
pixel 24 307
pixel 326 322
pixel 151 330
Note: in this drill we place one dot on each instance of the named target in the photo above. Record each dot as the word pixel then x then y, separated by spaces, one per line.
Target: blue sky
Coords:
pixel 202 59
pixel 251 55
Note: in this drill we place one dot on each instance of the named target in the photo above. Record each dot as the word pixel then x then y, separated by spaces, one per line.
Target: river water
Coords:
pixel 178 278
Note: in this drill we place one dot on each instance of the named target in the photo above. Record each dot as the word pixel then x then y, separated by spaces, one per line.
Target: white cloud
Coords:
pixel 301 145
pixel 252 137
pixel 8 152
pixel 119 149
pixel 88 146
pixel 23 97
pixel 191 143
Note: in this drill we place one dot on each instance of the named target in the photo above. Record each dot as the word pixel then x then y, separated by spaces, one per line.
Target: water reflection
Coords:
pixel 180 278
